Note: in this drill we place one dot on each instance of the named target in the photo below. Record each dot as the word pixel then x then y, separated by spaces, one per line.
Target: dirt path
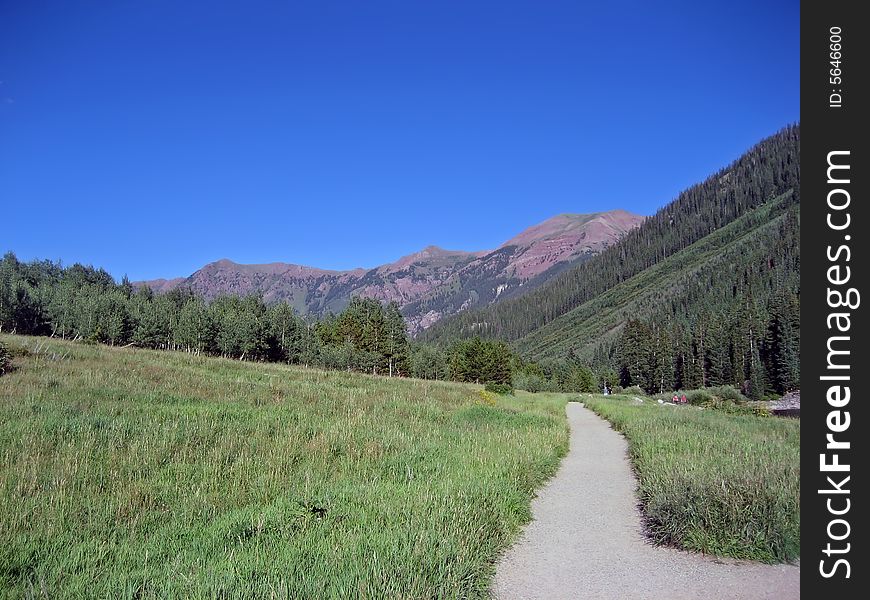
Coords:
pixel 585 540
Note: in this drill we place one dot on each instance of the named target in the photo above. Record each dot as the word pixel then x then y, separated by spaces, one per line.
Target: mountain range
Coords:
pixel 716 272
pixel 428 285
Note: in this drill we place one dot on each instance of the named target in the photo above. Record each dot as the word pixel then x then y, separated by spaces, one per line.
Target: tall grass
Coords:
pixel 713 482
pixel 132 473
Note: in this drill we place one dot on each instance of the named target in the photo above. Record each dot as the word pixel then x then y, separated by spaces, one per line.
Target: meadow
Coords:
pixel 137 473
pixel 710 481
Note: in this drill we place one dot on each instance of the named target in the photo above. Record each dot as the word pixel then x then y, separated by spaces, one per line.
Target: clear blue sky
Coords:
pixel 152 137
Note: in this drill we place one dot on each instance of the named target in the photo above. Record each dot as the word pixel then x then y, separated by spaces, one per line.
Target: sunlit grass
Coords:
pixel 133 473
pixel 713 482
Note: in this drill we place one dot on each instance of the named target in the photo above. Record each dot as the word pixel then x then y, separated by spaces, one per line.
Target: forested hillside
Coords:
pixel 725 310
pixel 768 170
pixel 706 292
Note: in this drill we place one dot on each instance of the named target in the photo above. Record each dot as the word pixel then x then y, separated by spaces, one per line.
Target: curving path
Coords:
pixel 585 540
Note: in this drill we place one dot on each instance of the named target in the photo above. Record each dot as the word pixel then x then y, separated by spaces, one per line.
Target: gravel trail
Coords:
pixel 586 541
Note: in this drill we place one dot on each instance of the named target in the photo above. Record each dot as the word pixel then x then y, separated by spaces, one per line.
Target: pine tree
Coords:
pixel 634 354
pixel 780 353
pixel 396 346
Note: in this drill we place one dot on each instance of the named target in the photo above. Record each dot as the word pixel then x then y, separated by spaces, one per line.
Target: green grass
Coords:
pixel 713 482
pixel 135 473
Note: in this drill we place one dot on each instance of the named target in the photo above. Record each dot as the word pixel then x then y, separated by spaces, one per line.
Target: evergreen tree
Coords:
pixel 481 361
pixel 580 379
pixel 396 346
pixel 634 354
pixel 780 352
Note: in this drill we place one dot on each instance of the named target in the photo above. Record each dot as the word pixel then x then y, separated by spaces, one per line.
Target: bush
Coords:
pixel 5 359
pixel 498 388
pixel 727 392
pixel 617 389
pixel 724 397
pixel 529 381
pixel 635 390
pixel 487 398
pixel 700 398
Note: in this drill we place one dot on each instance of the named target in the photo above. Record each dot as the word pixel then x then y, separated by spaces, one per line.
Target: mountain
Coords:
pixel 428 284
pixel 752 259
pixel 723 255
pixel 164 285
pixel 567 235
pixel 521 264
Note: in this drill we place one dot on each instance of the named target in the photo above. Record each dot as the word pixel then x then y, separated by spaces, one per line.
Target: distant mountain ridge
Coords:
pixel 428 284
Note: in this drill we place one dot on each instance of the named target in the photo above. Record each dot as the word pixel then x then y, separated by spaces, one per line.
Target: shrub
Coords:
pixel 617 389
pixel 498 388
pixel 700 398
pixel 635 390
pixel 5 359
pixel 529 381
pixel 486 397
pixel 727 392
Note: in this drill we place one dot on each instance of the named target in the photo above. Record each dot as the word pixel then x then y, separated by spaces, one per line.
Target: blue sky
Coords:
pixel 153 137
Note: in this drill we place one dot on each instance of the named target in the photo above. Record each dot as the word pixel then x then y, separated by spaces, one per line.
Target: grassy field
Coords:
pixel 713 482
pixel 133 473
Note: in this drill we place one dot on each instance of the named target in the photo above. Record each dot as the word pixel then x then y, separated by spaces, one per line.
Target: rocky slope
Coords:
pixel 429 284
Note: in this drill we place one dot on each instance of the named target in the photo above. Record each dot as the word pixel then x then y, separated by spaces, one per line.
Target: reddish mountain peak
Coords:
pixel 567 224
pixel 565 237
pixel 427 254
pixel 276 268
pixel 621 218
pixel 161 285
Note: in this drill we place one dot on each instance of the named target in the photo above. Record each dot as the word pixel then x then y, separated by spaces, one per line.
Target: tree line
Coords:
pixel 754 347
pixel 750 343
pixel 87 304
pixel 734 323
